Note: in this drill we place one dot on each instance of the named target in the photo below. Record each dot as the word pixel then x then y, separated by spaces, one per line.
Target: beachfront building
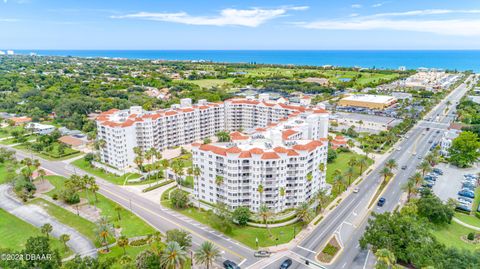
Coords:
pixel 280 165
pixel 378 102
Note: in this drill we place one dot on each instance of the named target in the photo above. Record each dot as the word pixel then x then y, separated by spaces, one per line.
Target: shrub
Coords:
pixel 139 242
pixel 241 215
pixel 71 197
pixel 179 198
pixel 471 236
pixel 55 196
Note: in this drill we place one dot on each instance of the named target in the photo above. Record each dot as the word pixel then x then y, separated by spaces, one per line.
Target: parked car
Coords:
pixel 381 201
pixel 228 264
pixel 465 199
pixel 464 208
pixel 286 264
pixel 437 171
pixel 469 186
pixel 404 167
pixel 262 253
pixel 466 193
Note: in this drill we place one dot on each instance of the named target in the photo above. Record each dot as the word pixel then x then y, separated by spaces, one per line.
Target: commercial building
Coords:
pixel 448 136
pixel 368 101
pixel 281 165
pixel 362 122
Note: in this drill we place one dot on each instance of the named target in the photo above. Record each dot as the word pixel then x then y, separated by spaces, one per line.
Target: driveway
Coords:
pixel 37 216
pixel 448 184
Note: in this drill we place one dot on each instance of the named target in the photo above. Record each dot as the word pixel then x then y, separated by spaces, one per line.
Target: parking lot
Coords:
pixel 448 184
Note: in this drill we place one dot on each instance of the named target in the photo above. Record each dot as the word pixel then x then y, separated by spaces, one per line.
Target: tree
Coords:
pixel 218 180
pixel 465 149
pixel 179 198
pixel 432 208
pixel 338 179
pixel 385 259
pixel 46 229
pixel 303 213
pixel 352 162
pixel 223 136
pixel 65 238
pixel 362 163
pixel 118 209
pixel 264 213
pixel 41 174
pixel 410 187
pixel 125 261
pixel 122 242
pixel 40 246
pixel 331 155
pixel 241 215
pixel 260 191
pixel 206 254
pixel 309 177
pixel 425 167
pixel 417 177
pixel 386 173
pixel 322 199
pixel 104 230
pixel 349 174
pixel 183 238
pixel 147 260
pixel 321 167
pixel 173 256
pixel 391 164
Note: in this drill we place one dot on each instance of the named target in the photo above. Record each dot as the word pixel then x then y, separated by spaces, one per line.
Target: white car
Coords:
pixel 356 190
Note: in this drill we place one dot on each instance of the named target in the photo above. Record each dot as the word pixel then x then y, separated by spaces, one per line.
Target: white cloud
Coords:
pixel 377 5
pixel 239 17
pixel 356 6
pixel 8 20
pixel 414 21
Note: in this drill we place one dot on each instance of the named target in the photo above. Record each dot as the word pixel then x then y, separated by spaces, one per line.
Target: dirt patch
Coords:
pixel 43 186
pixel 475 241
pixel 329 251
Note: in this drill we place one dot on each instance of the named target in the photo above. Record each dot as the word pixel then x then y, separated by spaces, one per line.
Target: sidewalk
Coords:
pixel 466 225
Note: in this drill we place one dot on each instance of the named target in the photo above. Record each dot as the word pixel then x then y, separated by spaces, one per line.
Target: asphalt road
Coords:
pixel 158 217
pixel 348 221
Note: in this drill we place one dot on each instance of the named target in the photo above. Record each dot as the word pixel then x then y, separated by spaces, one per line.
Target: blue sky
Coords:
pixel 235 24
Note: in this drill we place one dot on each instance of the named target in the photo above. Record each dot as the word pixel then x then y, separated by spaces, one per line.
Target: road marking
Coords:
pixel 172 222
pixel 366 260
pixel 309 250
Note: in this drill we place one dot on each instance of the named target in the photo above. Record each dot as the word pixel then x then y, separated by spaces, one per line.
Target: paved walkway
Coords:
pixel 466 225
pixel 37 216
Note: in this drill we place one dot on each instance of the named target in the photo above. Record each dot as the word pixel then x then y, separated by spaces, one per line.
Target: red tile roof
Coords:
pixel 270 155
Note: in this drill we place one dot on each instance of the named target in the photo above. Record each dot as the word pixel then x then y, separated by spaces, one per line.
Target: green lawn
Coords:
pixel 14 233
pixel 68 218
pixel 186 159
pixel 468 219
pixel 3 172
pixel 450 235
pixel 119 180
pixel 53 155
pixel 247 234
pixel 131 224
pixel 208 83
pixel 11 141
pixel 341 163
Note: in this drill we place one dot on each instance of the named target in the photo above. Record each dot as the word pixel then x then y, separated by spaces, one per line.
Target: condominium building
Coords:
pixel 281 165
pixel 123 130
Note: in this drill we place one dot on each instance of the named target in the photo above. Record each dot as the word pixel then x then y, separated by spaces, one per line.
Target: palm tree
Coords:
pixel 282 194
pixel 322 198
pixel 42 174
pixel 431 159
pixel 155 242
pixel 65 238
pixel 206 254
pixel 410 187
pixel 417 177
pixel 122 242
pixel 349 174
pixel 94 188
pixel 362 163
pixel 338 179
pixel 309 177
pixel 303 213
pixel 260 191
pixel 104 230
pixel 165 164
pixel 177 167
pixel 173 256
pixel 425 167
pixel 223 136
pixel 391 164
pixel 386 173
pixel 118 209
pixel 352 162
pixel 264 213
pixel 125 260
pixel 46 229
pixel 385 257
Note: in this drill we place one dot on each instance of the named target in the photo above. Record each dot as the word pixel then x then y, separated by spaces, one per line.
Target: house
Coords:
pixel 74 142
pixel 339 142
pixel 38 128
pixel 20 120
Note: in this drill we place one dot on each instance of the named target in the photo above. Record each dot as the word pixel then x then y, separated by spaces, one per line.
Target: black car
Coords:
pixel 228 264
pixel 286 264
pixel 404 167
pixel 381 201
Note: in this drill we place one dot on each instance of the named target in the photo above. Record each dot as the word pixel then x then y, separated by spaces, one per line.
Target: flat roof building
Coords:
pixel 363 122
pixel 368 101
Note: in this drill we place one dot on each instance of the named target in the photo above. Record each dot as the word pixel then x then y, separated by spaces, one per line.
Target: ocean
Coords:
pixel 384 59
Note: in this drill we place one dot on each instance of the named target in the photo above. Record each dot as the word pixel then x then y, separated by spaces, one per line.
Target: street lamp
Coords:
pixel 294 232
pixel 191 259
